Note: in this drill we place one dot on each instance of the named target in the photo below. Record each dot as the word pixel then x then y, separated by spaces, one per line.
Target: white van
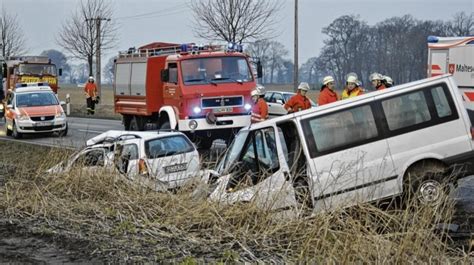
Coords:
pixel 356 150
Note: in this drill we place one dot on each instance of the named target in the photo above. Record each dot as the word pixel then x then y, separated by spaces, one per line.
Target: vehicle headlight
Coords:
pixel 23 117
pixel 60 115
pixel 193 125
pixel 197 110
pixel 247 106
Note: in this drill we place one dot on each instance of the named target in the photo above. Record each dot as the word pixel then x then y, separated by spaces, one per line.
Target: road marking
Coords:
pixel 90 131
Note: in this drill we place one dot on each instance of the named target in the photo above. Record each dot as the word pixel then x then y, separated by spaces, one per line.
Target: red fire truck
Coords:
pixel 203 91
pixel 30 69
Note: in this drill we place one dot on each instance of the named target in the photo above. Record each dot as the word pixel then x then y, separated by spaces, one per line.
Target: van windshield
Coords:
pixel 233 152
pixel 228 69
pixel 36 99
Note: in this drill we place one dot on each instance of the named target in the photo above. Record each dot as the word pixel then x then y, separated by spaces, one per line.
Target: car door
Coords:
pixel 350 160
pixel 126 157
pixel 276 105
pixel 89 160
pixel 254 170
pixel 173 161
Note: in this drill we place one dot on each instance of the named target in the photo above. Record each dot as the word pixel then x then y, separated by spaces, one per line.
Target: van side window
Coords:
pixel 406 110
pixel 441 102
pixel 173 70
pixel 338 130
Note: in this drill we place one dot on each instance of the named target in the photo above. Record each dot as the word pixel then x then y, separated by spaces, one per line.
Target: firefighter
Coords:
pixel 352 88
pixel 260 107
pixel 90 91
pixel 299 101
pixel 377 81
pixel 327 93
pixel 387 81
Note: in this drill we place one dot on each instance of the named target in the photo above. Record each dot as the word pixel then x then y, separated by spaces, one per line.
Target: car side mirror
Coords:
pixel 259 69
pixel 165 75
pixel 60 72
pixel 279 101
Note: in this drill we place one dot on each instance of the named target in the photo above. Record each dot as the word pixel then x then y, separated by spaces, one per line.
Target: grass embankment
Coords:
pixel 122 222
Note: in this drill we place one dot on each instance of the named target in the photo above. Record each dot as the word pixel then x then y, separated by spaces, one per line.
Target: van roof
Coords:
pixel 112 134
pixel 351 101
pixel 31 87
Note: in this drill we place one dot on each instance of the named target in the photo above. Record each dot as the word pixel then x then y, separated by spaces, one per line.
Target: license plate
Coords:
pixel 225 109
pixel 176 168
pixel 43 123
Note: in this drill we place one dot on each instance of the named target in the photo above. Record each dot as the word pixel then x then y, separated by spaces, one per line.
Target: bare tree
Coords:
pixel 78 34
pixel 12 40
pixel 234 20
pixel 462 24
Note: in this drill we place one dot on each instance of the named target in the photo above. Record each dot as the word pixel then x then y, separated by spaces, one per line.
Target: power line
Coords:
pixel 158 12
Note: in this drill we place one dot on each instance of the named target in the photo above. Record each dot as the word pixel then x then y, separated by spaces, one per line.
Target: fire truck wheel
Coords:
pixel 15 132
pixel 126 122
pixel 165 126
pixel 136 124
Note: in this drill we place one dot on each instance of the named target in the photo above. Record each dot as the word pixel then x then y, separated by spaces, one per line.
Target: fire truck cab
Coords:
pixel 30 69
pixel 454 55
pixel 203 91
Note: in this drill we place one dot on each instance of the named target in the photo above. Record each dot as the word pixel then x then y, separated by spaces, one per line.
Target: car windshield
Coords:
pixel 36 99
pixel 233 152
pixel 227 69
pixel 37 69
pixel 167 146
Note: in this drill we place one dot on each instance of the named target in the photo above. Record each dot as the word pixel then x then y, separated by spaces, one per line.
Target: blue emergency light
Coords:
pixel 433 39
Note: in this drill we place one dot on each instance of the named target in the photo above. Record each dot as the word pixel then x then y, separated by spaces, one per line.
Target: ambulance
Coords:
pixel 454 55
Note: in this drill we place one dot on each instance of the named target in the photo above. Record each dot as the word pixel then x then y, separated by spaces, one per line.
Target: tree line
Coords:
pixel 396 46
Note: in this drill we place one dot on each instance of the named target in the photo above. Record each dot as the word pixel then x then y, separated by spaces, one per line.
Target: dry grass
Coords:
pixel 130 223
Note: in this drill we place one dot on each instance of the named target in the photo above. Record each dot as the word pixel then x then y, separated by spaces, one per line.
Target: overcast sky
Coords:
pixel 171 20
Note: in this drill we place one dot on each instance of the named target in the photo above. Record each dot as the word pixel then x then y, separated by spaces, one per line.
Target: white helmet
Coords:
pixel 352 79
pixel 327 79
pixel 303 86
pixel 91 78
pixel 254 93
pixel 260 89
pixel 375 76
pixel 388 79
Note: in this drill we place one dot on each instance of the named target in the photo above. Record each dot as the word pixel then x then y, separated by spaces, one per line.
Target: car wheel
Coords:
pixel 15 133
pixel 426 185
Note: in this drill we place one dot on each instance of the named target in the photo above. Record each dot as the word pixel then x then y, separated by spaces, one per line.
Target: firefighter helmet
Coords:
pixel 303 86
pixel 254 93
pixel 91 78
pixel 375 76
pixel 352 79
pixel 388 80
pixel 328 79
pixel 260 89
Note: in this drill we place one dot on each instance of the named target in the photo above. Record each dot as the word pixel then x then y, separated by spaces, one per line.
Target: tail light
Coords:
pixel 142 167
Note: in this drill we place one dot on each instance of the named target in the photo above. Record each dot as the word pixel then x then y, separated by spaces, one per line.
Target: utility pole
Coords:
pixel 98 21
pixel 295 67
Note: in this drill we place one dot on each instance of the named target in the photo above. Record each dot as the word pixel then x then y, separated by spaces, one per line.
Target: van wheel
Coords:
pixel 8 132
pixel 426 185
pixel 15 133
pixel 63 132
pixel 303 194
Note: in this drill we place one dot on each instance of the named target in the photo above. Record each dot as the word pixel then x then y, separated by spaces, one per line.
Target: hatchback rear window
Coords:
pixel 167 146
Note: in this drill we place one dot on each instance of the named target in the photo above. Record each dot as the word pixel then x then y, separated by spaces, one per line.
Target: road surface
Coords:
pixel 80 130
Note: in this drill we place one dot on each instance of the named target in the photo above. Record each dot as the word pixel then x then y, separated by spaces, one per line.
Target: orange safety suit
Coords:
pixel 327 96
pixel 297 103
pixel 353 93
pixel 259 111
pixel 381 87
pixel 90 89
